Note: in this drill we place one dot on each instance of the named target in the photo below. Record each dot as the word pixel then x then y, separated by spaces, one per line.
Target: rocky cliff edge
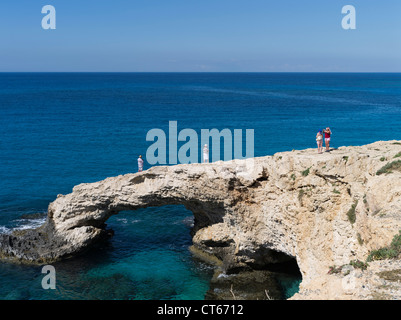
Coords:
pixel 324 210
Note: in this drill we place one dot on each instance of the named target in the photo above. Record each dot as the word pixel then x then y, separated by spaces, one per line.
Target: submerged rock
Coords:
pixel 246 285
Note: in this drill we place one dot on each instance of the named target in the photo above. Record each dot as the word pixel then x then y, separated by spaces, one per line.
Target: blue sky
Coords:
pixel 201 35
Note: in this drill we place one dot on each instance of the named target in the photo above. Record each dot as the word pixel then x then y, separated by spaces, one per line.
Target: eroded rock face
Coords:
pixel 322 209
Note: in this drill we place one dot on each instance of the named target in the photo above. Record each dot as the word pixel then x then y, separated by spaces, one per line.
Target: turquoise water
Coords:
pixel 147 259
pixel 58 130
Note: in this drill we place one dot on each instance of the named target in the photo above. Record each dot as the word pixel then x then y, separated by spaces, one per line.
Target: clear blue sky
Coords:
pixel 201 35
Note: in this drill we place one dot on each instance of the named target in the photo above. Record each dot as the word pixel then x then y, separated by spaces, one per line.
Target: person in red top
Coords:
pixel 327 135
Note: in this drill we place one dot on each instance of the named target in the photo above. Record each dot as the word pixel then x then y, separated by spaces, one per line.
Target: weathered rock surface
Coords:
pixel 321 209
pixel 244 286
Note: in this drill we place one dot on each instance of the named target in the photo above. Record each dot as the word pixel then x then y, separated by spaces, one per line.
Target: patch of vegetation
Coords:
pixel 358 264
pixel 395 165
pixel 292 176
pixel 393 251
pixel 345 158
pixel 365 202
pixel 383 254
pixel 390 252
pixel 351 213
pixel 359 238
pixel 300 194
pixel 397 155
pixel 399 143
pixel 306 172
pixel 335 269
pixel 336 191
pixel 391 275
pixel 383 159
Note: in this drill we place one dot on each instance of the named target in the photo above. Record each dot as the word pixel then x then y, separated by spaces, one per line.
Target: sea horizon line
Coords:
pixel 214 72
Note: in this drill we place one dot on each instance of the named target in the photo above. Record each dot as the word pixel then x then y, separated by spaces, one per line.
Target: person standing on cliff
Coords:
pixel 140 164
pixel 205 153
pixel 319 140
pixel 327 135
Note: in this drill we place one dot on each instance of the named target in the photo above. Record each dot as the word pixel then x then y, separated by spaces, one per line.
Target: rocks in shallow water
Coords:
pixel 30 245
pixel 33 216
pixel 44 245
pixel 119 286
pixel 246 285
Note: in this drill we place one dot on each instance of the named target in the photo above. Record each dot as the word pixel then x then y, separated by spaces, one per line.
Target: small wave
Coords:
pixel 24 224
pixel 188 221
pixel 127 220
pixel 5 230
pixel 223 275
pixel 122 220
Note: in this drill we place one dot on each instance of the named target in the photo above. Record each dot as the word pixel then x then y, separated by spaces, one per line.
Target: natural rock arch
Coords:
pixel 214 193
pixel 208 191
pixel 247 212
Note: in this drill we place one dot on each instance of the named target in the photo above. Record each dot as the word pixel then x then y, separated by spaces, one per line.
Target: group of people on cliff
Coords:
pixel 319 139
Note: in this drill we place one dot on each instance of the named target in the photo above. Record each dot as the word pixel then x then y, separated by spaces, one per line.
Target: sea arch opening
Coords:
pixel 150 248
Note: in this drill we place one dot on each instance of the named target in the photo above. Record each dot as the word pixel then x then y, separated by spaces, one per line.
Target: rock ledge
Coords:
pixel 321 209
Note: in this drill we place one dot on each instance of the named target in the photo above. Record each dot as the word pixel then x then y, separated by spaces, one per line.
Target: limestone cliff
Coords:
pixel 321 209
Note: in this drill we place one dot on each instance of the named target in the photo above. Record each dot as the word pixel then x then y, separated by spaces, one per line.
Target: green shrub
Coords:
pixel 382 254
pixel 395 165
pixel 397 155
pixel 335 269
pixel 390 252
pixel 396 242
pixel 358 264
pixel 351 213
pixel 306 172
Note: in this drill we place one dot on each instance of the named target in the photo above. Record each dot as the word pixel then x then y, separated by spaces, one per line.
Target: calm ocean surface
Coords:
pixel 59 130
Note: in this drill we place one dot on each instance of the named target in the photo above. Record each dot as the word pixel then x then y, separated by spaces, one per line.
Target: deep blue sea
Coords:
pixel 58 130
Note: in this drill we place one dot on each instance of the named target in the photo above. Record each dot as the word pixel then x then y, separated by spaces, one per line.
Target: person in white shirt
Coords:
pixel 140 164
pixel 319 140
pixel 205 153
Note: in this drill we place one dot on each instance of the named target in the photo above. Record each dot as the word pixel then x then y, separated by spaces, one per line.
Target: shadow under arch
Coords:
pixel 150 249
